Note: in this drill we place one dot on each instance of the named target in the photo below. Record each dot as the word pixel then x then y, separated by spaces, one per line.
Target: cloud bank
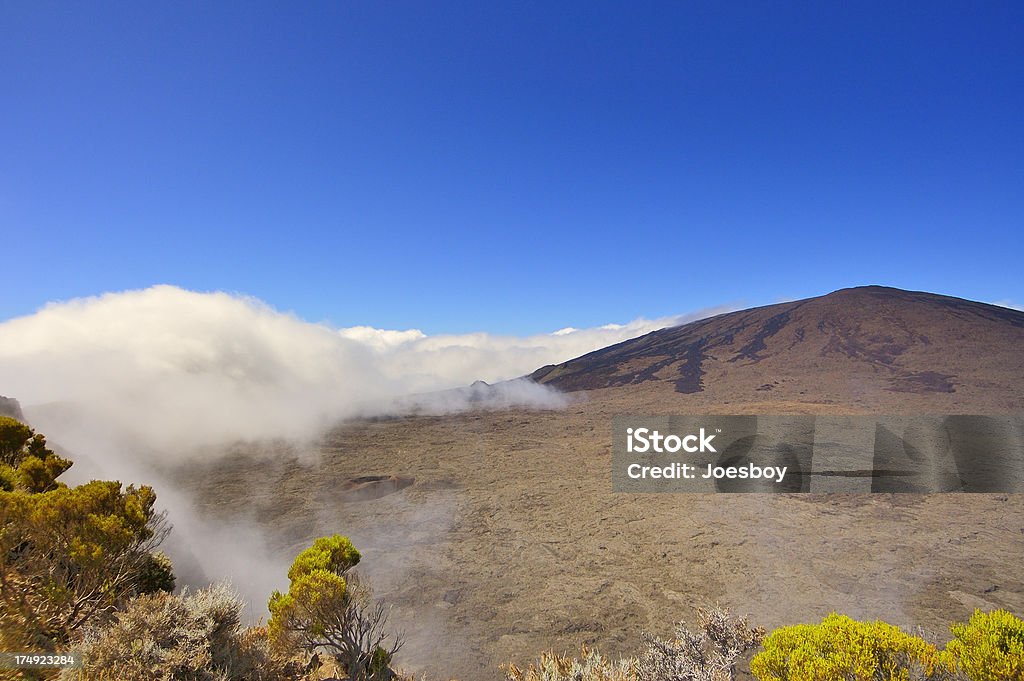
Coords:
pixel 169 370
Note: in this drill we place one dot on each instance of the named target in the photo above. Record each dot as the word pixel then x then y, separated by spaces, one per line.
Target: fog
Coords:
pixel 136 382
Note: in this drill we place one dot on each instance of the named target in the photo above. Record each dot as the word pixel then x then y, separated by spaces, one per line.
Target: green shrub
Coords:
pixel 155 574
pixel 333 554
pixel 14 435
pixel 844 649
pixel 990 647
pixel 8 478
pixel 326 608
pixel 26 463
pixel 69 556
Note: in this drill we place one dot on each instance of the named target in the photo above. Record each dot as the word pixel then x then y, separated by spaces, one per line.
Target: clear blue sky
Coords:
pixel 511 167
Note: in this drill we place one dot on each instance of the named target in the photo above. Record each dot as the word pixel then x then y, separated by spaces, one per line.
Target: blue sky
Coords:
pixel 511 167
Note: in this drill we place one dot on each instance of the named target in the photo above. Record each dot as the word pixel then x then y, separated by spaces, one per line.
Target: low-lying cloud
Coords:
pixel 168 370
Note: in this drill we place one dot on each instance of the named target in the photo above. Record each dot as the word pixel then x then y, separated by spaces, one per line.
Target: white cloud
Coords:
pixel 381 339
pixel 421 363
pixel 173 369
pixel 176 369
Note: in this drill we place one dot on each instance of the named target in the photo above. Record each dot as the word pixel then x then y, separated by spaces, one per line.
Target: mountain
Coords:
pixel 857 344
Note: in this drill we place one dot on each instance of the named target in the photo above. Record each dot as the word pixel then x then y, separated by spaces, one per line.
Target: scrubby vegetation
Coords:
pixel 990 647
pixel 194 637
pixel 69 557
pixel 589 666
pixel 79 571
pixel 26 463
pixel 709 654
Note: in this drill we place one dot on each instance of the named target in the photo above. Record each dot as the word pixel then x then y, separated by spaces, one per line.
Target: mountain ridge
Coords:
pixel 895 340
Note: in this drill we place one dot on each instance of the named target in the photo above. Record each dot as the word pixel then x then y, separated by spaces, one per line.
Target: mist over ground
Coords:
pixel 134 383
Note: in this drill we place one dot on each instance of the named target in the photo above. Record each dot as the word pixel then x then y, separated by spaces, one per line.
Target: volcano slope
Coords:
pixel 510 541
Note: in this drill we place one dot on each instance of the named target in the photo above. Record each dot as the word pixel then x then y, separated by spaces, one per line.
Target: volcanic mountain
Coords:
pixel 866 346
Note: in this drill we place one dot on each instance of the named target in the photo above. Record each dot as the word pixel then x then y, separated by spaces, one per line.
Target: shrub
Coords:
pixel 68 556
pixel 14 435
pixel 192 637
pixel 589 666
pixel 71 556
pixel 843 648
pixel 709 655
pixel 327 608
pixel 990 647
pixel 155 574
pixel 26 463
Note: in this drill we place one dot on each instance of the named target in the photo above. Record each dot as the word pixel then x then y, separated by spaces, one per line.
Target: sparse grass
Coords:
pixel 709 654
pixel 589 666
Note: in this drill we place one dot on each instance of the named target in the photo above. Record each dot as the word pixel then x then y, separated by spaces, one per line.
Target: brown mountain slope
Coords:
pixel 856 344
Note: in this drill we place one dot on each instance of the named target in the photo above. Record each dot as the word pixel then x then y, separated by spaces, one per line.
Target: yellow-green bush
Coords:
pixel 844 649
pixel 328 608
pixel 26 463
pixel 69 556
pixel 990 647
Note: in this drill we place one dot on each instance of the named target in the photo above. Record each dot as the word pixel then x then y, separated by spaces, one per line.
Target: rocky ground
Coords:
pixel 510 540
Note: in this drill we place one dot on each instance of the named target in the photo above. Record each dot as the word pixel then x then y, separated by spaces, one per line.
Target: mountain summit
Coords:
pixel 850 345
